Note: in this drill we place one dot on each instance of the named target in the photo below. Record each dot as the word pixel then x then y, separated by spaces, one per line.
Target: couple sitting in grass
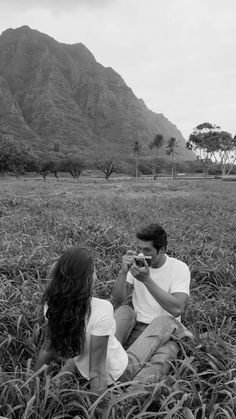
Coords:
pixel 92 336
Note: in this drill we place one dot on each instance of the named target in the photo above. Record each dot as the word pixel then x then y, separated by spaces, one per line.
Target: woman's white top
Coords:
pixel 102 323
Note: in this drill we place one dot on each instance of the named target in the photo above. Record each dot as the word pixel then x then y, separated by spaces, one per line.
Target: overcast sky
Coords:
pixel 179 56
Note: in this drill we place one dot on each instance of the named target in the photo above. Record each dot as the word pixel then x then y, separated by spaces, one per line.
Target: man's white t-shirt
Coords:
pixel 102 323
pixel 173 276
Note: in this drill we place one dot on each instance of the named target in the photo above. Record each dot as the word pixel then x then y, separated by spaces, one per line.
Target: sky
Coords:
pixel 179 56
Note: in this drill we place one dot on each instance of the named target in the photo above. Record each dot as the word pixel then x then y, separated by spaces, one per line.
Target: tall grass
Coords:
pixel 201 229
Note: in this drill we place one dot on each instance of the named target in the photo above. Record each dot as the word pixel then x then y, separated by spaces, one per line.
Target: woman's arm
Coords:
pixel 97 363
pixel 46 355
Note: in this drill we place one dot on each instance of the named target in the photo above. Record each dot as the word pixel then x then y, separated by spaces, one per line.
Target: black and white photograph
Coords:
pixel 117 209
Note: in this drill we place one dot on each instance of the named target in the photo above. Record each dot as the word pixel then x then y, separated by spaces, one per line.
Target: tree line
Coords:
pixel 213 147
pixel 158 142
pixel 19 159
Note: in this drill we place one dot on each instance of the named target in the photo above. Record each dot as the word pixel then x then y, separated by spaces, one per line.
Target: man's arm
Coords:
pixel 122 289
pixel 173 303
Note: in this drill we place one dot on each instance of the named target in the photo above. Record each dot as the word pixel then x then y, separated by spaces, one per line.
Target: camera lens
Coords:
pixel 140 263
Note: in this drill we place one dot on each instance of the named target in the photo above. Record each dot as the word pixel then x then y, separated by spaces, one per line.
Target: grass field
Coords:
pixel 40 219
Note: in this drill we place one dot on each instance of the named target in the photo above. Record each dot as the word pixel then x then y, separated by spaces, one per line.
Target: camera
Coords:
pixel 140 259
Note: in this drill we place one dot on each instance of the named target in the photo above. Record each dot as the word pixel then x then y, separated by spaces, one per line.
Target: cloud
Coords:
pixel 53 5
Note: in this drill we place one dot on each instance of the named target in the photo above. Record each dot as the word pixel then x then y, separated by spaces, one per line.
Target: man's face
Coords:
pixel 147 248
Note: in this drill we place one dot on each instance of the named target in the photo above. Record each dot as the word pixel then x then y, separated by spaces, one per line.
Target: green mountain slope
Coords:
pixel 53 92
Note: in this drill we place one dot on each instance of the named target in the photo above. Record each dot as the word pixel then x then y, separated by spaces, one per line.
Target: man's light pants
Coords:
pixel 153 348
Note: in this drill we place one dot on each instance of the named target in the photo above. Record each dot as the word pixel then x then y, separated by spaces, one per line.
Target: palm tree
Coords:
pixel 137 148
pixel 155 145
pixel 172 144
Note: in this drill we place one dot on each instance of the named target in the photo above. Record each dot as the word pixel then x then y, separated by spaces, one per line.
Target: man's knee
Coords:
pixel 165 319
pixel 165 322
pixel 168 324
pixel 125 312
pixel 125 319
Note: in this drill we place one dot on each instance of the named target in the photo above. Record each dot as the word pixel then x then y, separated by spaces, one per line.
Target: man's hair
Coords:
pixel 154 233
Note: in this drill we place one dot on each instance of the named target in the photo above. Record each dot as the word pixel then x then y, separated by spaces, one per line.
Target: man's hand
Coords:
pixel 141 274
pixel 127 260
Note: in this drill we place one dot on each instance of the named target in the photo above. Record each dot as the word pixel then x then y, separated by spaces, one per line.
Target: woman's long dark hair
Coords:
pixel 68 297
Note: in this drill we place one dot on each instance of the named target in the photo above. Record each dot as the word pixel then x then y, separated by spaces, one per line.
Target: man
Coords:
pixel 159 292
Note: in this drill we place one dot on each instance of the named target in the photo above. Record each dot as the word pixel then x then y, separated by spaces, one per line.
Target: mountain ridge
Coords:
pixel 55 92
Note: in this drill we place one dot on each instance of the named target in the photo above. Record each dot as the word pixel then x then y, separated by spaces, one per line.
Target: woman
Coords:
pixel 80 325
pixel 82 328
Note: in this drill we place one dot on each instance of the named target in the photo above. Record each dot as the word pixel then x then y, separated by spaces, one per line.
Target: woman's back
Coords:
pixel 101 323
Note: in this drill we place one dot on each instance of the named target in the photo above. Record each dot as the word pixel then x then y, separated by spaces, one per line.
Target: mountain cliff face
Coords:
pixel 57 93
